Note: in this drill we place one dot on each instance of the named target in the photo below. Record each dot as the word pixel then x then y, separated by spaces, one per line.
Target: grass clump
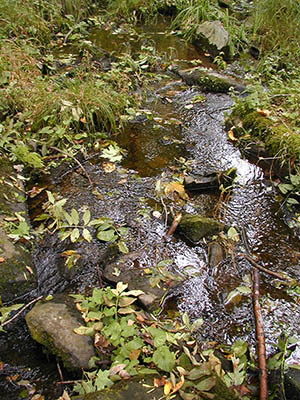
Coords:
pixel 39 112
pixel 40 19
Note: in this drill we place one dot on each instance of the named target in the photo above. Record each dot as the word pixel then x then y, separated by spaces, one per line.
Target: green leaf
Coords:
pixel 239 348
pixel 244 289
pixel 64 235
pixel 86 235
pixel 106 236
pixel 85 330
pixel 75 235
pixel 197 373
pixel 75 216
pixel 50 197
pixel 86 217
pixel 102 381
pixel 207 384
pixel 68 218
pixel 285 188
pixel 159 336
pixel 233 234
pixel 122 247
pixel 164 359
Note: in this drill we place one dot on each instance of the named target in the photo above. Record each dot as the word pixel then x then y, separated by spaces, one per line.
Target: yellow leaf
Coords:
pixel 231 136
pixel 167 388
pixel 178 188
pixel 108 167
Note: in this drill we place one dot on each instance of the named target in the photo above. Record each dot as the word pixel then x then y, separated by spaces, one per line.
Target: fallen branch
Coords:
pixel 78 162
pixel 261 346
pixel 175 223
pixel 265 270
pixel 22 309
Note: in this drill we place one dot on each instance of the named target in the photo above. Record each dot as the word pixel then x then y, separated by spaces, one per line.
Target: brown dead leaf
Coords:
pixel 101 342
pixel 116 369
pixel 35 191
pixel 2 259
pixel 64 396
pixel 158 382
pixel 178 385
pixel 134 354
pixel 108 167
pixel 83 120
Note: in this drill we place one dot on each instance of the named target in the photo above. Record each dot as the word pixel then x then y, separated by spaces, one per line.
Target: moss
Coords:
pixel 195 227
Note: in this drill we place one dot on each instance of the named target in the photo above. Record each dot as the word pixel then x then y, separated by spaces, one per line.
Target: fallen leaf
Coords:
pixel 158 382
pixel 122 181
pixel 178 188
pixel 178 385
pixel 108 167
pixel 64 396
pixel 189 106
pixel 29 269
pixel 35 191
pixel 231 136
pixel 116 369
pixel 265 113
pixel 134 354
pixel 167 388
pixel 2 259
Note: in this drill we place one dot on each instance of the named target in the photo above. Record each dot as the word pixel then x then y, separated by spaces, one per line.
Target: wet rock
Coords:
pixel 216 254
pixel 195 227
pixel 209 81
pixel 17 271
pixel 212 182
pixel 124 270
pixel 202 184
pixel 52 324
pixel 138 389
pixel 292 384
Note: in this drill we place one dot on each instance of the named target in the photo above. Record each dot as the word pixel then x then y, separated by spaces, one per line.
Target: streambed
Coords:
pixel 171 130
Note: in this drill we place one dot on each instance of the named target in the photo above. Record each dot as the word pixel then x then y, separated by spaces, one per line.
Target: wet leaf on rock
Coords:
pixel 164 359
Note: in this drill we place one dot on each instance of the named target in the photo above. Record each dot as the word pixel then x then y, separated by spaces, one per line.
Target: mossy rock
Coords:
pixel 138 389
pixel 209 81
pixel 196 227
pixel 52 324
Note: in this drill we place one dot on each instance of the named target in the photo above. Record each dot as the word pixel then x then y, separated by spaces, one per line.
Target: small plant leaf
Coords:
pixel 74 235
pixel 106 236
pixel 207 384
pixel 164 359
pixel 86 217
pixel 75 216
pixel 87 235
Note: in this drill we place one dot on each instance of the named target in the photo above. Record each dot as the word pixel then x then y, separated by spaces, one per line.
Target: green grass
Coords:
pixel 41 19
pixel 39 112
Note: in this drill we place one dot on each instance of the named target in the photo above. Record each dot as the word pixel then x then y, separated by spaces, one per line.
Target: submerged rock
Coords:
pixel 52 324
pixel 209 81
pixel 122 270
pixel 196 227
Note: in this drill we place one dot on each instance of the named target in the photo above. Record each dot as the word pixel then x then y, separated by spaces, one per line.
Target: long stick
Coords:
pixel 78 162
pixel 263 269
pixel 22 309
pixel 261 346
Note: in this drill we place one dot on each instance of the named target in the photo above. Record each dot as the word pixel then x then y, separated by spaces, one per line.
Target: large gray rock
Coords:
pixel 17 271
pixel 52 324
pixel 196 227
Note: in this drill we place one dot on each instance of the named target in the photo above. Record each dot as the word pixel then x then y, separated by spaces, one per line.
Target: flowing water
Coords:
pixel 177 129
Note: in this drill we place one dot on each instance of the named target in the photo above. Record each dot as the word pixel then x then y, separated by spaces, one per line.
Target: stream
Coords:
pixel 172 134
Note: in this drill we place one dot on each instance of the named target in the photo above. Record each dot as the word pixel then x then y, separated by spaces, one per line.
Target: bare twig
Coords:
pixel 20 311
pixel 75 159
pixel 59 371
pixel 174 225
pixel 261 346
pixel 265 270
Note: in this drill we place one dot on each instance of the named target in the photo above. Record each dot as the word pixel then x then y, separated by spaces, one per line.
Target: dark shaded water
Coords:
pixel 177 131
